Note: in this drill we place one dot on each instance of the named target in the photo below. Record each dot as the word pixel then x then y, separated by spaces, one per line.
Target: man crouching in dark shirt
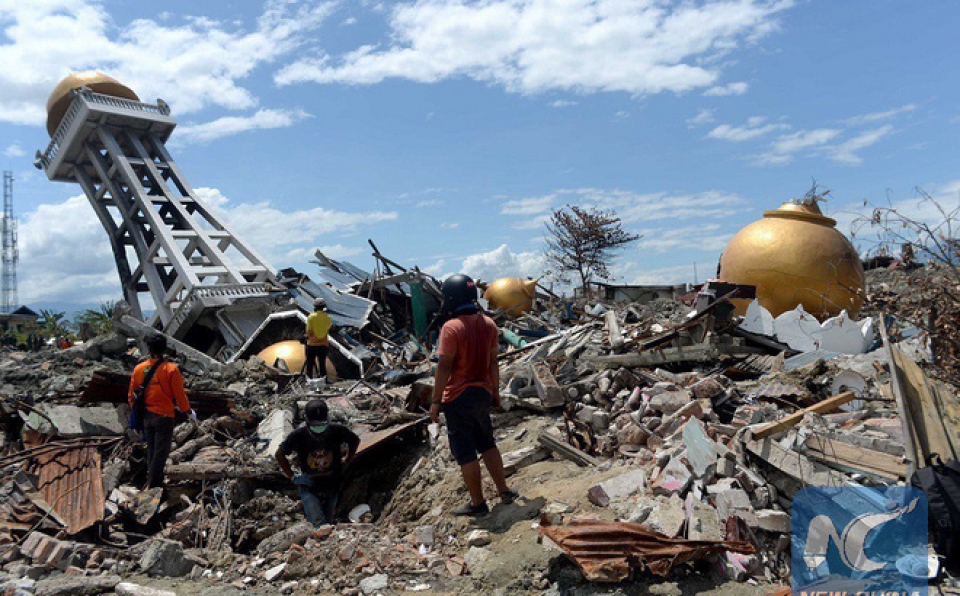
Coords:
pixel 319 448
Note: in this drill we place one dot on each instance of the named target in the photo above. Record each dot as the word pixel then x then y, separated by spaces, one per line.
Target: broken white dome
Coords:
pixel 802 331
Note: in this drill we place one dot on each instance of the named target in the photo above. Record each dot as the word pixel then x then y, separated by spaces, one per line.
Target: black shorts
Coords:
pixel 468 424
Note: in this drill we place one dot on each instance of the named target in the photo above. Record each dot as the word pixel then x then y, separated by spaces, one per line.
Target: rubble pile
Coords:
pixel 647 440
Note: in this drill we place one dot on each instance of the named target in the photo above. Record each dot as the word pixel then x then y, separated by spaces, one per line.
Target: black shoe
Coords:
pixel 472 510
pixel 509 496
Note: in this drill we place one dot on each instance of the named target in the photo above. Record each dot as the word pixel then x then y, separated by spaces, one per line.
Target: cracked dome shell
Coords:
pixel 98 82
pixel 795 255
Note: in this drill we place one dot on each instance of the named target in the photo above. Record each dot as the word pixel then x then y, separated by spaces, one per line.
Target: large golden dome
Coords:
pixel 511 294
pixel 795 255
pixel 290 351
pixel 98 82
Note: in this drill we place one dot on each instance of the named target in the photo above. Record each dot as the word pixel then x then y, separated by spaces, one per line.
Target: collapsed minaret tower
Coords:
pixel 175 257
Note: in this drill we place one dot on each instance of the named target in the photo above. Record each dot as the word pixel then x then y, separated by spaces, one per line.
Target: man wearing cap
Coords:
pixel 466 386
pixel 318 326
pixel 323 452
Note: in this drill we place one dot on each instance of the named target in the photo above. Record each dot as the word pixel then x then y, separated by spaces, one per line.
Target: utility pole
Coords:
pixel 8 284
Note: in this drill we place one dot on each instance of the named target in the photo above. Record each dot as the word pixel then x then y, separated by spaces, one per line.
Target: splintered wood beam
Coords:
pixel 827 405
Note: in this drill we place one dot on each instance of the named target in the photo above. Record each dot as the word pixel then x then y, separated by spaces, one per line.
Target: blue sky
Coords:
pixel 447 130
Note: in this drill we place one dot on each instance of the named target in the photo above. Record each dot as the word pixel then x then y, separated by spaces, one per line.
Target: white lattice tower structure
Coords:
pixel 11 254
pixel 169 247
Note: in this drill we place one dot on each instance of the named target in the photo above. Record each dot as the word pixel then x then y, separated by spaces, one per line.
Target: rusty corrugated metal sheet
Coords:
pixel 71 480
pixel 610 551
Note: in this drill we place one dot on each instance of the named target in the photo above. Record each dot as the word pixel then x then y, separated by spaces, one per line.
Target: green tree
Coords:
pixel 99 319
pixel 584 241
pixel 52 323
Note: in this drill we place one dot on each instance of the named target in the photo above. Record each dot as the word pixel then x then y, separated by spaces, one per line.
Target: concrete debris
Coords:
pixel 165 558
pixel 686 435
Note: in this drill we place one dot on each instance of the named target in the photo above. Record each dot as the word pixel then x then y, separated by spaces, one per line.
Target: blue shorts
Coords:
pixel 468 424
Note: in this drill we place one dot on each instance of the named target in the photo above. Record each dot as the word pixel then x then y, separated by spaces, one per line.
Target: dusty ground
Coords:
pixel 514 562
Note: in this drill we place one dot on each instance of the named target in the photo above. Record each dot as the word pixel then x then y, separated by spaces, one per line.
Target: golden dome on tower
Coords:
pixel 511 294
pixel 795 255
pixel 96 81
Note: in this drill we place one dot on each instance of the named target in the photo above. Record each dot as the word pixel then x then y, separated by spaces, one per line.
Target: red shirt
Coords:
pixel 471 340
pixel 165 387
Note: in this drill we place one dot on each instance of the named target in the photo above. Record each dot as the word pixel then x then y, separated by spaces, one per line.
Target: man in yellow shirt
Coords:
pixel 318 326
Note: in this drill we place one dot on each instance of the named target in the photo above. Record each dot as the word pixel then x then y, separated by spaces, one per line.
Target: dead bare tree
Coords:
pixel 584 241
pixel 931 301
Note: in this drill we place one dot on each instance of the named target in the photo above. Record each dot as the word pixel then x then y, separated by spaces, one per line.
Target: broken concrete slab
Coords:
pixel 272 431
pixel 734 501
pixel 703 521
pixel 73 421
pixel 668 402
pixel 281 541
pixel 374 583
pixel 478 538
pixel 701 450
pixel 667 517
pixel 523 457
pixel 673 479
pixel 772 520
pixel 616 488
pixel 550 393
pixel 76 585
pixel 165 558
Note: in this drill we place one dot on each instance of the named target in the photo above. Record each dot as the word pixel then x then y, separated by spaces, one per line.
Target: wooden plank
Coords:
pixel 552 440
pixel 869 460
pixel 827 405
pixel 928 412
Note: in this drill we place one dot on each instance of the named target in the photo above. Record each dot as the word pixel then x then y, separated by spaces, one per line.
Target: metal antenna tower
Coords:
pixel 8 287
pixel 174 255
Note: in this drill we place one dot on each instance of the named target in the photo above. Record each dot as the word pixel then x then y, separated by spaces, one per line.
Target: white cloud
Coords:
pixel 227 126
pixel 708 237
pixel 668 275
pixel 428 203
pixel 636 46
pixel 738 88
pixel 503 262
pixel 846 152
pixel 339 251
pixel 14 150
pixel 877 116
pixel 754 128
pixel 562 103
pixel 450 225
pixel 634 207
pixel 271 230
pixel 192 64
pixel 65 255
pixel 704 116
pixel 527 206
pixel 785 147
pixel 532 223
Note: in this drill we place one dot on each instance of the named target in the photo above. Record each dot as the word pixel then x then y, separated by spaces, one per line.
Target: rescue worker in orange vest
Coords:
pixel 164 396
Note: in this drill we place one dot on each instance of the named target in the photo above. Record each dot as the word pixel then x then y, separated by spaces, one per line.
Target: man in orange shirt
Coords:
pixel 466 387
pixel 164 395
